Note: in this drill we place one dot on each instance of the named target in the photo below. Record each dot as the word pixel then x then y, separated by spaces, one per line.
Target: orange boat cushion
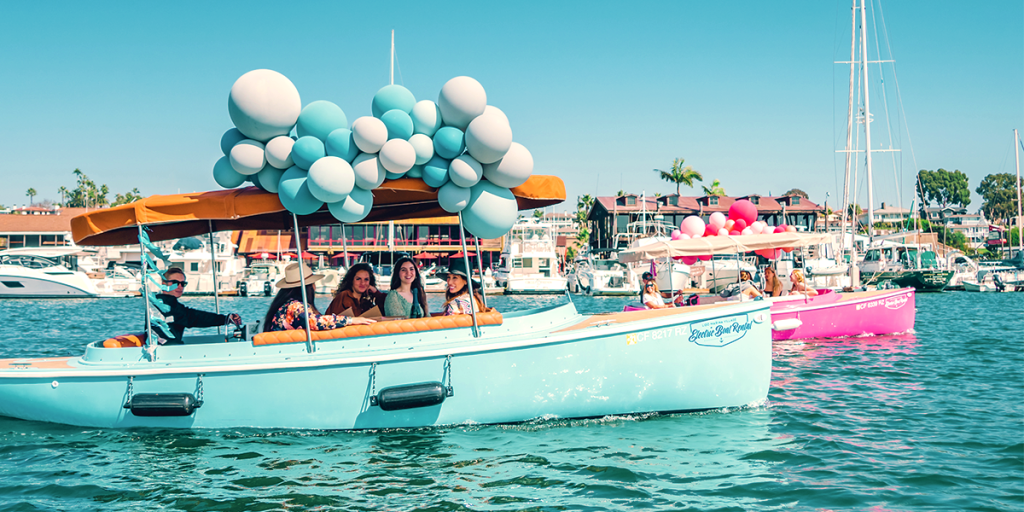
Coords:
pixel 379 328
pixel 126 340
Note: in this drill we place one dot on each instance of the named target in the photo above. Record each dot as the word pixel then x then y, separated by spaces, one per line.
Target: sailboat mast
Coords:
pixel 1020 227
pixel 849 125
pixel 867 117
pixel 392 57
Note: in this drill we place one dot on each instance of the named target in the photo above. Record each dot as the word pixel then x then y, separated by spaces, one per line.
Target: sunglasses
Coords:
pixel 175 282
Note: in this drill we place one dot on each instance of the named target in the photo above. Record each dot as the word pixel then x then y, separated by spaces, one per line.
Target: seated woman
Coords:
pixel 457 300
pixel 407 298
pixel 181 317
pixel 651 295
pixel 287 312
pixel 800 284
pixel 772 285
pixel 357 291
pixel 747 288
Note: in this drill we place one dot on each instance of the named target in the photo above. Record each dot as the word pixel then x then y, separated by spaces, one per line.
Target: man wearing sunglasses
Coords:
pixel 181 317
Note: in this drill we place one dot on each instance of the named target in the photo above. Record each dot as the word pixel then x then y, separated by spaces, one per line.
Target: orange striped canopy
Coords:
pixel 182 215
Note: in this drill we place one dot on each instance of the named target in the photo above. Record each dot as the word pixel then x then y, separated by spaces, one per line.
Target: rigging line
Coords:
pixel 398 65
pixel 897 171
pixel 899 96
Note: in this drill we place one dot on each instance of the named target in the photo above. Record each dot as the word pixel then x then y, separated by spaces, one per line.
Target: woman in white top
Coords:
pixel 651 295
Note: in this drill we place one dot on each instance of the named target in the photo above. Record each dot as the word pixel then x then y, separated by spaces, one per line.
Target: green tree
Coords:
pixel 63 191
pixel 583 205
pixel 680 175
pixel 620 193
pixel 87 194
pixel 999 193
pixel 583 236
pixel 943 188
pixel 570 254
pixel 538 214
pixel 714 190
pixel 128 197
pixel 797 192
pixel 31 193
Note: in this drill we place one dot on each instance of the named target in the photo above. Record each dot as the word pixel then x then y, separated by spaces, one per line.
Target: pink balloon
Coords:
pixel 743 209
pixel 756 228
pixel 689 260
pixel 740 225
pixel 779 229
pixel 747 231
pixel 717 220
pixel 734 232
pixel 729 224
pixel 791 229
pixel 710 231
pixel 705 257
pixel 723 232
pixel 675 234
pixel 692 225
pixel 684 236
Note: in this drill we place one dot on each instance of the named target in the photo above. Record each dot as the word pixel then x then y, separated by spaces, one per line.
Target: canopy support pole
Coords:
pixel 344 247
pixel 302 284
pixel 150 339
pixel 480 265
pixel 213 271
pixel 469 278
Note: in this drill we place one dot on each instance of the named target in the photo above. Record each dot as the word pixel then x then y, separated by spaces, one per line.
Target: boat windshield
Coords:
pixel 29 261
pixel 607 265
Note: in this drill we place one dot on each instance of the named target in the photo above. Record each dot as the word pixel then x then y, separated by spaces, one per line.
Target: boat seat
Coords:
pixel 125 341
pixel 380 328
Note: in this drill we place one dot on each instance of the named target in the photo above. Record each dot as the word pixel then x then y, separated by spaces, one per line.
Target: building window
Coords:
pixel 796 199
pixel 630 201
pixel 194 267
pixel 713 200
pixel 755 200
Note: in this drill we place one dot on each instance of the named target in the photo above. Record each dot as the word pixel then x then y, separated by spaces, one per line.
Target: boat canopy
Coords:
pixel 198 213
pixel 722 245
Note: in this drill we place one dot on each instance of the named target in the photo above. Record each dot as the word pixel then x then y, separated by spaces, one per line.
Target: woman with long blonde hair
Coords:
pixel 800 284
pixel 772 285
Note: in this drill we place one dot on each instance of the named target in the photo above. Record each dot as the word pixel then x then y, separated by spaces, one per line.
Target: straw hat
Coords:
pixel 291 276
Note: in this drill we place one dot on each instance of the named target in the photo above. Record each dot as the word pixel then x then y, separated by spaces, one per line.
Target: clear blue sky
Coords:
pixel 135 95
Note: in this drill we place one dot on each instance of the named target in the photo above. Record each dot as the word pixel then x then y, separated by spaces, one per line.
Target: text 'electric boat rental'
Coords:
pixel 488 367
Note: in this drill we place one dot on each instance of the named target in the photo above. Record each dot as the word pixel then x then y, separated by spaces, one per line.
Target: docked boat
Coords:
pixel 600 277
pixel 906 265
pixel 53 272
pixel 259 278
pixel 488 367
pixel 830 314
pixel 529 262
pixel 198 265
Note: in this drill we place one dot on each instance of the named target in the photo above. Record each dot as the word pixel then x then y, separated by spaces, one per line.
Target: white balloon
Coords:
pixel 465 171
pixel 513 169
pixel 462 99
pixel 491 110
pixel 264 104
pixel 369 134
pixel 426 118
pixel 453 198
pixel 369 174
pixel 279 152
pixel 397 156
pixel 488 137
pixel 424 147
pixel 248 157
pixel 269 178
pixel 331 179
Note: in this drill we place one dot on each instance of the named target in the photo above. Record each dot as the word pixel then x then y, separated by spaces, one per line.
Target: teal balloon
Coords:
pixel 453 198
pixel 340 144
pixel 415 172
pixel 307 150
pixel 354 208
pixel 255 180
pixel 229 139
pixel 492 210
pixel 225 175
pixel 399 124
pixel 435 172
pixel 319 119
pixel 294 193
pixel 269 178
pixel 392 176
pixel 392 97
pixel 449 142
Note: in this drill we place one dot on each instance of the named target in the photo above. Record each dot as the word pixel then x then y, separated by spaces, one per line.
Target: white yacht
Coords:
pixel 722 270
pixel 196 265
pixel 529 263
pixel 260 278
pixel 606 277
pixel 671 274
pixel 53 272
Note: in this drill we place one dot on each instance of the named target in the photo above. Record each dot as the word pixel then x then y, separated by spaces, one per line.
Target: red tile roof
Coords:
pixel 766 204
pixel 58 222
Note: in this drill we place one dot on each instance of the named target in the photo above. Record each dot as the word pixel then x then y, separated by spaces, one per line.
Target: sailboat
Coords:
pixel 904 265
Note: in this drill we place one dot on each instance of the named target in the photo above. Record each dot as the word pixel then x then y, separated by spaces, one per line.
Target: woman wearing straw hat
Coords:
pixel 287 311
pixel 457 300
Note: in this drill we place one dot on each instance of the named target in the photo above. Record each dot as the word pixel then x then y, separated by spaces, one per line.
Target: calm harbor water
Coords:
pixel 931 420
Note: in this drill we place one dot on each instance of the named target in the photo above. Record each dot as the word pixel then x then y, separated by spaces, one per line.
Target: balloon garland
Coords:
pixel 311 156
pixel 742 220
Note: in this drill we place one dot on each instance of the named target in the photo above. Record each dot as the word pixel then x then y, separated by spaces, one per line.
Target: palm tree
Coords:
pixel 538 214
pixel 680 175
pixel 63 192
pixel 714 190
pixel 31 193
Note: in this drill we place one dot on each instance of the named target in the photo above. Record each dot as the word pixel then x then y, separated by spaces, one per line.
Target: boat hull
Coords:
pixel 920 280
pixel 575 367
pixel 65 284
pixel 844 314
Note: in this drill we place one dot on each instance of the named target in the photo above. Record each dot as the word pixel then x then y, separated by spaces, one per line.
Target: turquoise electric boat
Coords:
pixel 491 367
